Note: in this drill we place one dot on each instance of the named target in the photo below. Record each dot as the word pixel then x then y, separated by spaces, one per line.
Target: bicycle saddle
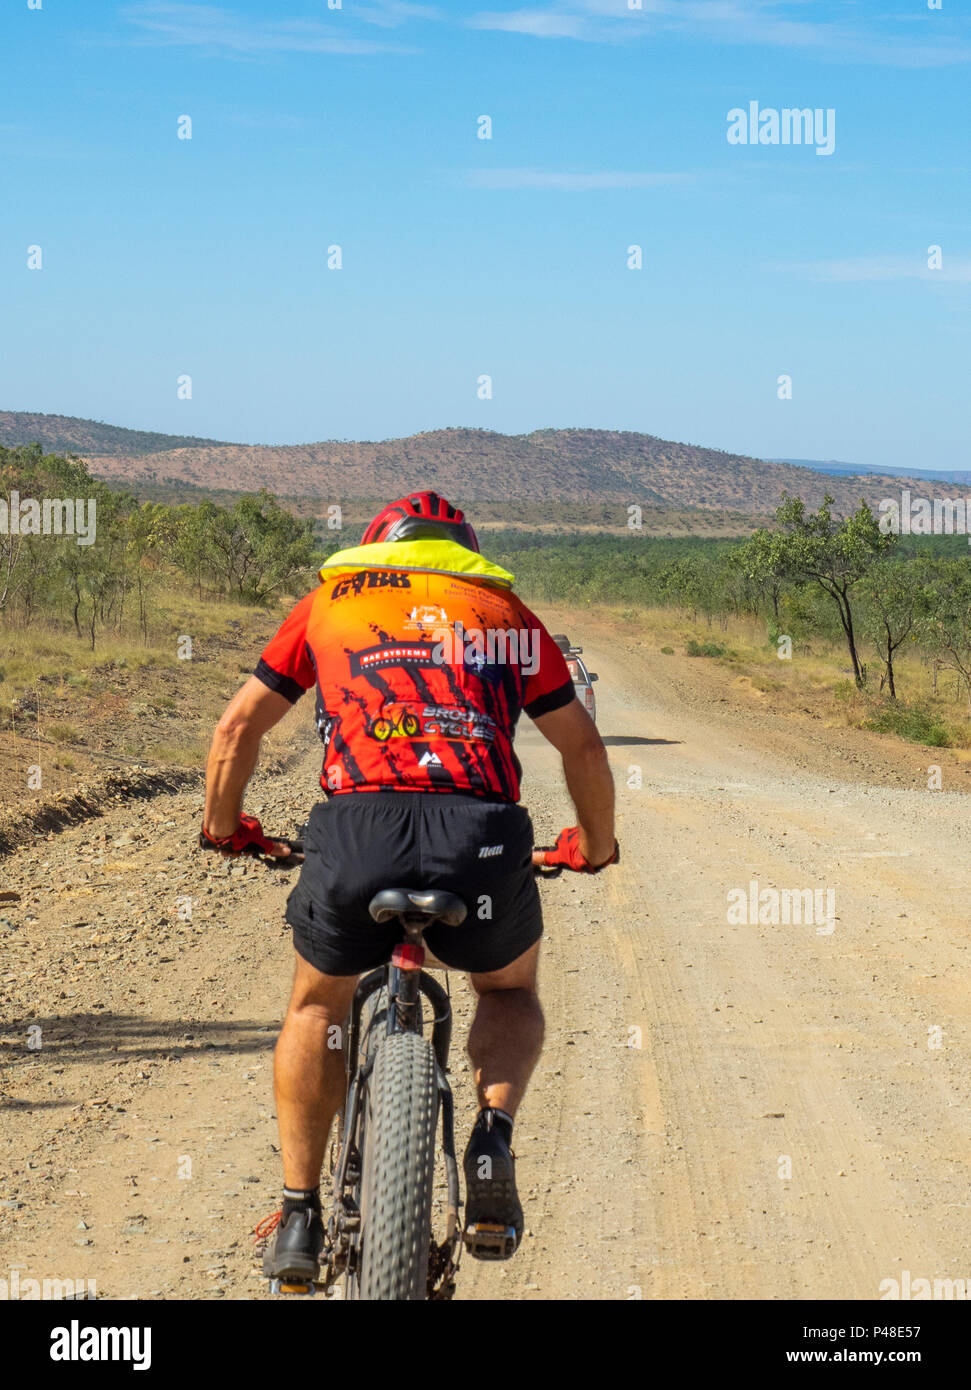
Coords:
pixel 432 904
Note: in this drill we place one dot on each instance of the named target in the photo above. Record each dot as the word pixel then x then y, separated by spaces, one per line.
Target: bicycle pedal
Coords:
pixel 292 1288
pixel 487 1241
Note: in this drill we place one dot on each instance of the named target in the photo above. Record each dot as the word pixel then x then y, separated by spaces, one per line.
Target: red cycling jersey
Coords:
pixel 423 659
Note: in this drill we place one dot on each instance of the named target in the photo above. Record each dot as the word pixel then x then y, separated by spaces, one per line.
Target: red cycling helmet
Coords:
pixel 421 516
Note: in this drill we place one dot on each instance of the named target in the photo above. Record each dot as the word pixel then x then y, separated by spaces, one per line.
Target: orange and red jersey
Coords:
pixel 422 658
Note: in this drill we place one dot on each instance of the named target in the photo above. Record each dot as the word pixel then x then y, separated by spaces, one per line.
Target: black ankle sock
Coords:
pixel 297 1199
pixel 490 1118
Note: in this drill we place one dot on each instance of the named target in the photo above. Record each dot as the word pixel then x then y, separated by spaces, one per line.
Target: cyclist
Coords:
pixel 422 658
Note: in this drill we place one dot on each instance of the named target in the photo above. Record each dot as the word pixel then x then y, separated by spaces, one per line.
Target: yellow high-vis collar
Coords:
pixel 420 556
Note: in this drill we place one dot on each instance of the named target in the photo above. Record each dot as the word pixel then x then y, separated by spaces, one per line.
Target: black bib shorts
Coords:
pixel 357 843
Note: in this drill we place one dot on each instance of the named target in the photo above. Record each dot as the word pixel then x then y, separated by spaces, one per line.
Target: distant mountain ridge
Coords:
pixel 587 466
pixel 67 434
pixel 860 470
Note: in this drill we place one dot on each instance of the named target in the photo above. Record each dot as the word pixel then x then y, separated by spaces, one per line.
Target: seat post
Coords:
pixel 413 929
pixel 404 986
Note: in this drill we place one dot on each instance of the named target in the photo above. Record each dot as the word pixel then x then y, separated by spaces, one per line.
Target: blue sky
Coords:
pixel 357 126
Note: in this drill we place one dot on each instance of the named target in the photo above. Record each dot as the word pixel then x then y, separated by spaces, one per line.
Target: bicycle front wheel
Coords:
pixel 399 1168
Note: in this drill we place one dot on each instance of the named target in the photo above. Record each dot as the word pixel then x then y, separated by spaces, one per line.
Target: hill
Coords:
pixel 66 434
pixel 558 466
pixel 552 468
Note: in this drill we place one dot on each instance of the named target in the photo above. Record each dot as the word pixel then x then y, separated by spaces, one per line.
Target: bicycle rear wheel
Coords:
pixel 399 1168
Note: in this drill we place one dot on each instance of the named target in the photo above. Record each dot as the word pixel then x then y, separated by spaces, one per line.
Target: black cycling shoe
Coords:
pixel 293 1256
pixel 493 1214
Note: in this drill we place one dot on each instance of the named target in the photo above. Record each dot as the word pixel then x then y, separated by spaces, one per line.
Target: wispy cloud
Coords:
pixel 900 41
pixel 552 23
pixel 390 13
pixel 873 269
pixel 566 182
pixel 169 23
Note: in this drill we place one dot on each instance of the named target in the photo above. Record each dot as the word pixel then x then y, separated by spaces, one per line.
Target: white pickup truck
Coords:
pixel 582 678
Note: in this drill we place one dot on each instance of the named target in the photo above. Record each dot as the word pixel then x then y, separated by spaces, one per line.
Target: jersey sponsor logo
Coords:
pixel 405 720
pixel 394 721
pixel 370 579
pixel 405 654
pixel 452 721
pixel 426 615
pixel 490 851
pixel 432 766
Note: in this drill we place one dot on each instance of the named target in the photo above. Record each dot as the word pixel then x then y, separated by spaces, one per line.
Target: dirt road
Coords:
pixel 726 1108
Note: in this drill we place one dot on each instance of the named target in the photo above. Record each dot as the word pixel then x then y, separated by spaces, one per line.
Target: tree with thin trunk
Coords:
pixel 832 552
pixel 760 561
pixel 949 623
pixel 897 596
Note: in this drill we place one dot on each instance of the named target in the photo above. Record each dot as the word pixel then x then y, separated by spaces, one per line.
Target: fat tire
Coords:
pixel 399 1168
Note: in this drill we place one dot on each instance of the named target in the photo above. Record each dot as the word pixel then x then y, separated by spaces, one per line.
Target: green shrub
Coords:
pixel 706 648
pixel 668 651
pixel 63 733
pixel 911 722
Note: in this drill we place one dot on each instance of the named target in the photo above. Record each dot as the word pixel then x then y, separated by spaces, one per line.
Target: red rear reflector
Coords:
pixel 406 956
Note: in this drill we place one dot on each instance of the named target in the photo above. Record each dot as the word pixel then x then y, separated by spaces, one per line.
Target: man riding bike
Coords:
pixel 422 658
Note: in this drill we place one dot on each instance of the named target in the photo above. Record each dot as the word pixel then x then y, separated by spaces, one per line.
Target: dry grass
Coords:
pixel 78 713
pixel 818 676
pixel 47 654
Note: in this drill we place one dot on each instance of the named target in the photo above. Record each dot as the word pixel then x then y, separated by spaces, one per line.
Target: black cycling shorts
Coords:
pixel 360 842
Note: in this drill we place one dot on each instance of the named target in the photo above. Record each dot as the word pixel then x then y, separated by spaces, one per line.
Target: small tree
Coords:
pixel 150 528
pixel 949 621
pixel 760 559
pixel 898 598
pixel 835 554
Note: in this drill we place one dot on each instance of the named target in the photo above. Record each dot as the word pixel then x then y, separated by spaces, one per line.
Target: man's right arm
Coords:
pixel 588 778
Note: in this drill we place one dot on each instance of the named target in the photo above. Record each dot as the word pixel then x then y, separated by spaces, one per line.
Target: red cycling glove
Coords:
pixel 567 853
pixel 247 838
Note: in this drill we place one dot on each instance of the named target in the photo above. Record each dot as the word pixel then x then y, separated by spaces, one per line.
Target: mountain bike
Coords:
pixel 379 1236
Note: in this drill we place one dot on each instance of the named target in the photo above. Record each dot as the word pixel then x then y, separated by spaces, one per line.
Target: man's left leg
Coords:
pixel 308 1076
pixel 505 1042
pixel 506 1036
